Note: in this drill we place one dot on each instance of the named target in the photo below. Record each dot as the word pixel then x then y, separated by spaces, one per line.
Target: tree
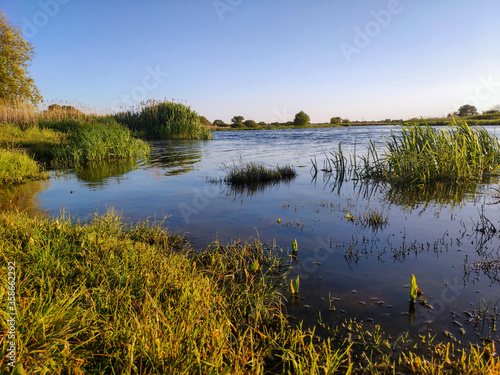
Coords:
pixel 250 124
pixel 218 123
pixel 16 85
pixel 301 119
pixel 467 110
pixel 335 120
pixel 237 120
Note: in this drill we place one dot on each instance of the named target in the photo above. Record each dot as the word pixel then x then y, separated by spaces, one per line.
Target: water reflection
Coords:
pixel 98 174
pixel 176 157
pixel 22 197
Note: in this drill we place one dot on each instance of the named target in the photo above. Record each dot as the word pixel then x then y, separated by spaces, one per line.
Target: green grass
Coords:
pixel 164 120
pixel 100 140
pixel 104 297
pixel 257 173
pixel 420 154
pixel 18 167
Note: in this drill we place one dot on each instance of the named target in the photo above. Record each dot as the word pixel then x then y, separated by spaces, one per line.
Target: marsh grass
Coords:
pixel 420 154
pixel 103 297
pixel 257 173
pixel 18 167
pixel 100 140
pixel 164 120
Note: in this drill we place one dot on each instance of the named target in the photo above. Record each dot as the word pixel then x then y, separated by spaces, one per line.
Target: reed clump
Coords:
pixel 164 120
pixel 420 154
pixel 257 173
pixel 99 140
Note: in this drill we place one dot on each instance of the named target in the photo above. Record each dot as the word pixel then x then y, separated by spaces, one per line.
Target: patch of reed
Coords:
pixel 420 154
pixel 102 139
pixel 257 173
pixel 164 120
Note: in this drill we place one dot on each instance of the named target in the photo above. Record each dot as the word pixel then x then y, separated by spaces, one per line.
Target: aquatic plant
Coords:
pixel 102 139
pixel 419 154
pixel 294 245
pixel 164 120
pixel 294 286
pixel 257 173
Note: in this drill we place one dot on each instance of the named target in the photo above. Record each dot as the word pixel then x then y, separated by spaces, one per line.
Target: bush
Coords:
pixel 301 119
pixel 164 120
pixel 250 124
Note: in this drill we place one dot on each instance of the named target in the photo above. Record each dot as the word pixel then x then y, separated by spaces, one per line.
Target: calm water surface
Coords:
pixel 367 269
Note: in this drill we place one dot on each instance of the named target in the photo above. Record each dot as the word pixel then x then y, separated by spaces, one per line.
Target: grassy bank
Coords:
pixel 64 142
pixel 103 297
pixel 164 120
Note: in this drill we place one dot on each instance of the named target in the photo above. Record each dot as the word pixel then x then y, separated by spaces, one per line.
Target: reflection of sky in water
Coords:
pixel 429 239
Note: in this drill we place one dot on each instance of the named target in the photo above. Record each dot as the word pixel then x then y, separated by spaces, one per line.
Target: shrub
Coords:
pixel 17 167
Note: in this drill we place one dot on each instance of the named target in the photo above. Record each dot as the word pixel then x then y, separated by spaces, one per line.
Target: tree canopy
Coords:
pixel 301 119
pixel 467 110
pixel 237 120
pixel 16 85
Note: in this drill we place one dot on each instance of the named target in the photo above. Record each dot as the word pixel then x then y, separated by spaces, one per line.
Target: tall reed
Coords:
pixel 164 120
pixel 102 139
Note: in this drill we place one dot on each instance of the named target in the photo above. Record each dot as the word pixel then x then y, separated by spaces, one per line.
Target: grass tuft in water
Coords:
pixel 258 173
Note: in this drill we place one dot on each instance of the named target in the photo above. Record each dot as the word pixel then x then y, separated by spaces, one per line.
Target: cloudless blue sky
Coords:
pixel 267 60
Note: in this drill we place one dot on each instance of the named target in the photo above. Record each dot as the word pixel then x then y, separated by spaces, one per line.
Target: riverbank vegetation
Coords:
pixel 164 120
pixel 104 297
pixel 420 154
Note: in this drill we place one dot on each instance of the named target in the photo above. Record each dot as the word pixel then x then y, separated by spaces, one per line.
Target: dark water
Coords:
pixel 432 234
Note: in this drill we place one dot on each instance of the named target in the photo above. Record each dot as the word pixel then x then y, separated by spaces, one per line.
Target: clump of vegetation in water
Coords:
pixel 420 154
pixel 103 297
pixel 99 140
pixel 164 120
pixel 258 173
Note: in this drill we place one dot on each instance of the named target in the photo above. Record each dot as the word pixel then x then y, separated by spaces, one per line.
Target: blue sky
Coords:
pixel 267 60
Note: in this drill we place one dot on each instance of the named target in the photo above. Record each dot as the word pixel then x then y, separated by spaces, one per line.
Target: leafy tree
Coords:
pixel 335 120
pixel 467 110
pixel 250 124
pixel 237 120
pixel 301 119
pixel 204 121
pixel 262 123
pixel 218 123
pixel 16 86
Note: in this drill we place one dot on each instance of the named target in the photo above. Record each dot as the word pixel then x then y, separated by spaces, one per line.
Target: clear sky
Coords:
pixel 267 60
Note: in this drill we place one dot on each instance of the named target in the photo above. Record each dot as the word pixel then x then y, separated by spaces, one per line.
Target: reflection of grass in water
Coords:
pixel 21 197
pixel 97 173
pixel 178 157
